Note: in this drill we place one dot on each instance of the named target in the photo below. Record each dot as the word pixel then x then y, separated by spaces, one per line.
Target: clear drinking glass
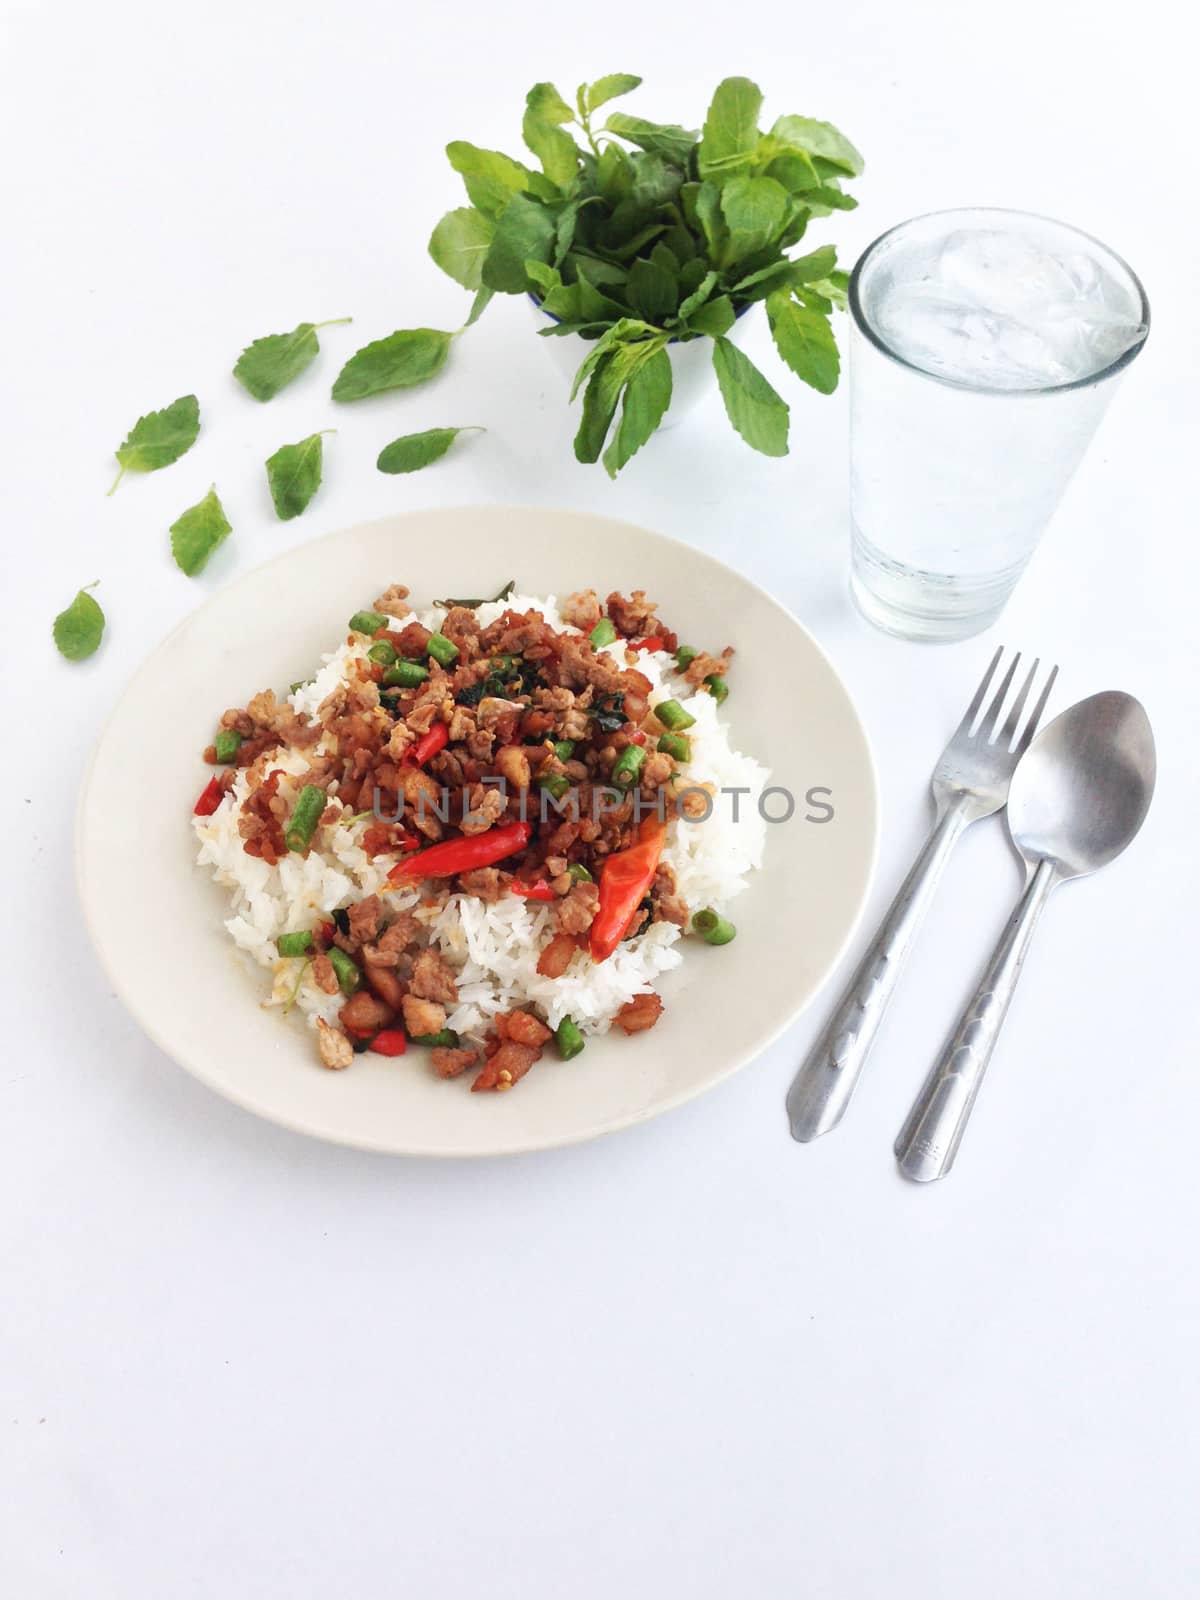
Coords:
pixel 985 346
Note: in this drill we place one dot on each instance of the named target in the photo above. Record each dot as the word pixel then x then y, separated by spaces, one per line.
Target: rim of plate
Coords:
pixel 298 1122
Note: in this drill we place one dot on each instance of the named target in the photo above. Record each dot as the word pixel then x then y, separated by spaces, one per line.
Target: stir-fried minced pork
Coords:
pixel 466 742
pixel 335 1049
pixel 642 1012
pixel 432 979
pixel 422 1017
pixel 449 1062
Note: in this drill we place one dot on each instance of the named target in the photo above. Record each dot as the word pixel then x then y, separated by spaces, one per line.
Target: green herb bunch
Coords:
pixel 650 233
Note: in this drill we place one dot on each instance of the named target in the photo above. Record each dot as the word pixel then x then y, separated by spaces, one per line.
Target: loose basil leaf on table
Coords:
pixel 271 363
pixel 198 532
pixel 294 475
pixel 413 451
pixel 401 361
pixel 159 438
pixel 78 629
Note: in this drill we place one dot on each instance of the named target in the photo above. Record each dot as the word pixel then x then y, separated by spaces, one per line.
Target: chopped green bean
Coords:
pixel 713 928
pixel 579 872
pixel 568 1039
pixel 672 715
pixel 310 803
pixel 444 651
pixel 348 975
pixel 628 764
pixel 603 633
pixel 555 784
pixel 227 743
pixel 676 745
pixel 564 749
pixel 717 687
pixel 445 1039
pixel 405 675
pixel 383 653
pixel 367 622
pixel 684 657
pixel 294 944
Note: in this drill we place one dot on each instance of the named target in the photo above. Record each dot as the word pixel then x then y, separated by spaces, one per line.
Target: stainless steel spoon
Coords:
pixel 1078 796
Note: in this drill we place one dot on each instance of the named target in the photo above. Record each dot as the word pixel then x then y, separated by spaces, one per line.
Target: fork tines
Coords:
pixel 988 726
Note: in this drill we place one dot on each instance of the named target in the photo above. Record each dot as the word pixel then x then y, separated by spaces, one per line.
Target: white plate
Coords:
pixel 156 918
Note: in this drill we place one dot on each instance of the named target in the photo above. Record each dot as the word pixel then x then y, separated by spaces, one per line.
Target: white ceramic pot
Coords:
pixel 692 375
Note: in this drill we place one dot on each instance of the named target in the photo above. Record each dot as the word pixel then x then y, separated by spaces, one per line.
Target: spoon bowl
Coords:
pixel 1084 786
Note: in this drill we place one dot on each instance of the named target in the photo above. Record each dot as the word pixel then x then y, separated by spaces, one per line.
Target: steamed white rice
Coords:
pixel 493 947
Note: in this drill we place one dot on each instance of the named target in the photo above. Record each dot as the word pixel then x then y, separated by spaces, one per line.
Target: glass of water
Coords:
pixel 985 346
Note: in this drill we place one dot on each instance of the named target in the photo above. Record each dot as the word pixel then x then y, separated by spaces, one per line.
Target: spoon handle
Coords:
pixel 929 1140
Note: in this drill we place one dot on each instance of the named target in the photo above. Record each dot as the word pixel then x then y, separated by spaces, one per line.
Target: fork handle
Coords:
pixel 822 1088
pixel 929 1139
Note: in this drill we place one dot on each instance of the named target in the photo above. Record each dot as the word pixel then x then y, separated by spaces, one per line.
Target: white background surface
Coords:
pixel 696 1358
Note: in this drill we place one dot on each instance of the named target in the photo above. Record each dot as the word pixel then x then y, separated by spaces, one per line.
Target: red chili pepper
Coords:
pixel 624 881
pixel 540 890
pixel 325 932
pixel 210 799
pixel 461 855
pixel 391 1042
pixel 654 643
pixel 637 737
pixel 426 746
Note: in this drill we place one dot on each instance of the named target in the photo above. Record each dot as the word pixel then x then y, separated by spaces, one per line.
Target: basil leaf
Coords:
pixel 294 475
pixel 805 340
pixel 647 396
pixel 401 361
pixel 819 139
pixel 459 243
pixel 815 265
pixel 835 288
pixel 794 169
pixel 600 271
pixel 490 179
pixel 614 173
pixel 545 109
pixel 270 364
pixel 755 211
pixel 730 128
pixel 543 276
pixel 159 437
pixel 714 318
pixel 525 231
pixel 667 138
pixel 604 390
pixel 712 220
pixel 651 292
pixel 78 629
pixel 753 407
pixel 625 331
pixel 698 296
pixel 479 305
pixel 198 532
pixel 416 450
pixel 594 306
pixel 609 88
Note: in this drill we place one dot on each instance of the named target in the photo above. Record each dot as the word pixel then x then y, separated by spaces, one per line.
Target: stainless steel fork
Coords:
pixel 969 782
